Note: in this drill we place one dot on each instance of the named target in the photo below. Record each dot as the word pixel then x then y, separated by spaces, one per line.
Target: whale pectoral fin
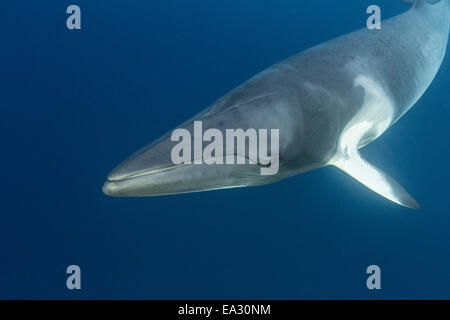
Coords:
pixel 375 179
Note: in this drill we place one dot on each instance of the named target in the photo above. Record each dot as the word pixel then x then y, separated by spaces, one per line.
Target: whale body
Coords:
pixel 327 102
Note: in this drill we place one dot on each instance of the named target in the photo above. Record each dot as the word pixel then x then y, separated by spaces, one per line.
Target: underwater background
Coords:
pixel 75 103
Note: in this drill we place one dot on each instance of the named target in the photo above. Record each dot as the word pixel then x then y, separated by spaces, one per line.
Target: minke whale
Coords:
pixel 327 102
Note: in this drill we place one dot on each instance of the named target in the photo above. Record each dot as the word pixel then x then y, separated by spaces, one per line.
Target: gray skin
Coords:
pixel 326 101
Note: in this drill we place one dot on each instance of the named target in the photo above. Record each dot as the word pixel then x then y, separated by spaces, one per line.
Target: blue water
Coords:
pixel 74 104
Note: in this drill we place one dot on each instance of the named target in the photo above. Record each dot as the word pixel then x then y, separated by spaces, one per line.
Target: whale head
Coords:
pixel 164 167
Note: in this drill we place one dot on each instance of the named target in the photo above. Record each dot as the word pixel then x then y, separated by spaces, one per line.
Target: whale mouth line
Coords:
pixel 174 166
pixel 144 173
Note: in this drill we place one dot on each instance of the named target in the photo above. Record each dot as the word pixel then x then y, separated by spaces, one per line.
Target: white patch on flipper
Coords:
pixel 376 180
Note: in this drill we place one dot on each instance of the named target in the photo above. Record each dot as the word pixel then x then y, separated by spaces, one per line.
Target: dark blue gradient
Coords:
pixel 73 104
